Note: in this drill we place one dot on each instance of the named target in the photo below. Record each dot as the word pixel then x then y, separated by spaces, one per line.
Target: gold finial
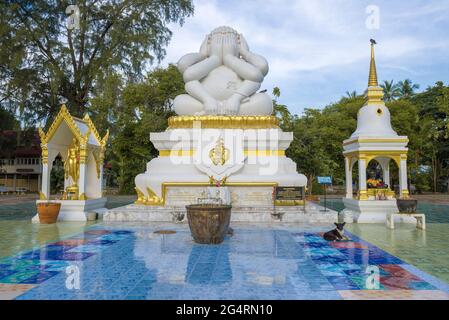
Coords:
pixel 374 94
pixel 372 80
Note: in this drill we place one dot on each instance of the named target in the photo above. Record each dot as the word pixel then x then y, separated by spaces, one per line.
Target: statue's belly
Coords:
pixel 221 83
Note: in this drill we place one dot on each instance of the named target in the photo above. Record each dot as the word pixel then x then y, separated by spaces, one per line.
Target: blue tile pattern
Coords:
pixel 256 263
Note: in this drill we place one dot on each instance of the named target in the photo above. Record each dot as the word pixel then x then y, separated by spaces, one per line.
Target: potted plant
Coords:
pixel 48 212
pixel 209 222
pixel 407 205
pixel 209 219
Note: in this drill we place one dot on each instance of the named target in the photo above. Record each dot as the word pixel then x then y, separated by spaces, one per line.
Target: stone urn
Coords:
pixel 48 212
pixel 209 223
pixel 407 205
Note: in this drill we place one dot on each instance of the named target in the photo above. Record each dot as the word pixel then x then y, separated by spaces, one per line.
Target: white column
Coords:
pixel 82 180
pixel 403 186
pixel 45 187
pixel 348 171
pixel 363 193
pixel 101 180
pixel 386 174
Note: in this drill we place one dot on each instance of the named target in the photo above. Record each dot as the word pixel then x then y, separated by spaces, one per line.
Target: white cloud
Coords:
pixel 321 40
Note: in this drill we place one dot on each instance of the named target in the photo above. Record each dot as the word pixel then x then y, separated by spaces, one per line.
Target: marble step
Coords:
pixel 311 213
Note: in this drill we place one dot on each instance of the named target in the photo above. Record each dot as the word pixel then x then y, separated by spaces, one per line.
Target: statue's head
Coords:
pixel 221 37
pixel 223 30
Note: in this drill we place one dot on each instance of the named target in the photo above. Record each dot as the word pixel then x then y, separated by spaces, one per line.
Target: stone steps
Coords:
pixel 311 213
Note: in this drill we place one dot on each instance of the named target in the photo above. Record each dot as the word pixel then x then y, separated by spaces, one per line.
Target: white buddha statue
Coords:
pixel 223 78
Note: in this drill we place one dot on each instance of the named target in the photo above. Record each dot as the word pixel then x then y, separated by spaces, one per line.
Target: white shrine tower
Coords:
pixel 374 140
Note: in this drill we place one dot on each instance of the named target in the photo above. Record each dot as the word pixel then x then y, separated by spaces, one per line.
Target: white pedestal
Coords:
pixel 372 211
pixel 310 213
pixel 420 219
pixel 76 210
pixel 255 157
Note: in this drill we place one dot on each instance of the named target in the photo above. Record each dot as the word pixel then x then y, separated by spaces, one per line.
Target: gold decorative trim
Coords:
pixel 83 154
pixel 248 153
pixel 98 158
pixel 224 122
pixel 71 193
pixel 42 135
pixel 375 94
pixel 219 154
pixel 376 140
pixel 101 141
pixel 363 195
pixel 42 196
pixel 63 115
pixel 140 196
pixel 105 138
pixel 372 79
pixel 289 203
pixel 176 153
pixel 264 153
pixel 82 196
pixel 369 155
pixel 372 192
pixel 405 194
pixel 154 200
pixel 44 154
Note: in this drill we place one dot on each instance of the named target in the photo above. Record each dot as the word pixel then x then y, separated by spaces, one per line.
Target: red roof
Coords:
pixel 33 151
pixel 29 146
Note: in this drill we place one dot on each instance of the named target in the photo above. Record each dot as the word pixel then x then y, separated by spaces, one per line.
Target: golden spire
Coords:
pixel 374 94
pixel 372 80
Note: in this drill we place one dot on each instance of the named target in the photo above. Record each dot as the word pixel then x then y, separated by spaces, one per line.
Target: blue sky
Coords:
pixel 318 50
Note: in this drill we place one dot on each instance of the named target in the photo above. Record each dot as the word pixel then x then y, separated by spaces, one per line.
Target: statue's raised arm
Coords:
pixel 223 78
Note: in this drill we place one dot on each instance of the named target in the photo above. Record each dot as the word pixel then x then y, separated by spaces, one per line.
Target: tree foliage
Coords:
pixel 43 62
pixel 423 117
pixel 131 112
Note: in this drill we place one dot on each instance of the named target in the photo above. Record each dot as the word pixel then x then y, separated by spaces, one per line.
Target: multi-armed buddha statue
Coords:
pixel 224 135
pixel 223 78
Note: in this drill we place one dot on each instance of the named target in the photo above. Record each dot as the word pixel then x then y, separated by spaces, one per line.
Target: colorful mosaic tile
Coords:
pixel 260 263
pixel 394 295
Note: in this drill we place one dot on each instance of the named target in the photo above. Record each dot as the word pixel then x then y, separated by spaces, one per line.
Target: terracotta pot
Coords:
pixel 209 223
pixel 407 205
pixel 48 212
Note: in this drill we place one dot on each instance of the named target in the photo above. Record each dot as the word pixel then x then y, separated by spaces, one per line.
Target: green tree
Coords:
pixel 281 111
pixel 351 95
pixel 131 112
pixel 8 121
pixel 43 62
pixel 391 90
pixel 406 88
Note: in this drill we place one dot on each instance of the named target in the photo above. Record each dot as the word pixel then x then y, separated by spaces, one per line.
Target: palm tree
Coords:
pixel 276 92
pixel 391 90
pixel 351 95
pixel 406 88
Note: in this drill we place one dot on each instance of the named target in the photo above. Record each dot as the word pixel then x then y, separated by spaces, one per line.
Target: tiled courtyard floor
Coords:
pixel 130 261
